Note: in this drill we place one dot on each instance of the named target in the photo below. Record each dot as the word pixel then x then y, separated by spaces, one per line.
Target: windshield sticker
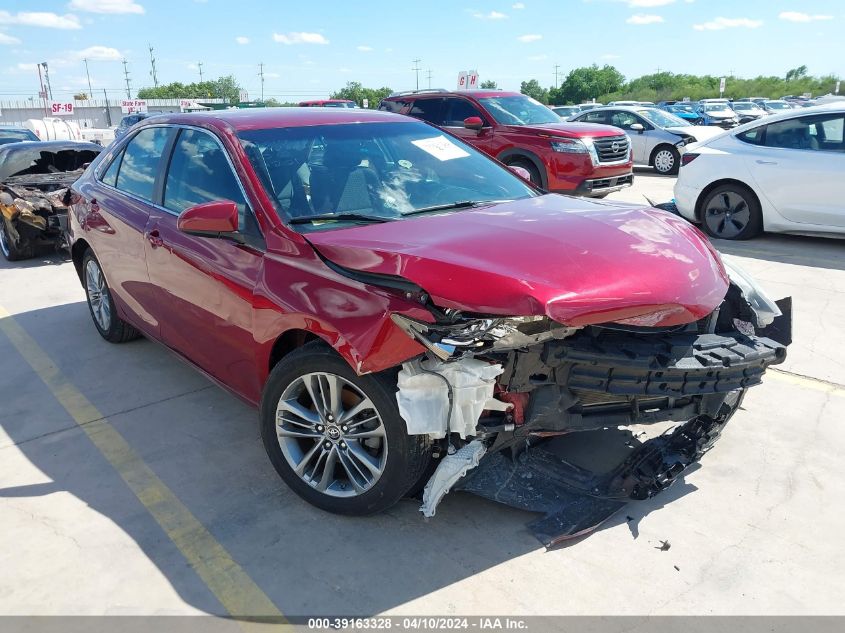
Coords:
pixel 441 148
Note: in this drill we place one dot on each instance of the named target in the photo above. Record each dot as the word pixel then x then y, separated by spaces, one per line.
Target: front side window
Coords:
pixel 200 172
pixel 373 172
pixel 141 162
pixel 594 116
pixel 457 110
pixel 624 120
pixel 662 119
pixel 518 110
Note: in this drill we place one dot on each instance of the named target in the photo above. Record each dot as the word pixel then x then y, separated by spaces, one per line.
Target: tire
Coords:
pixel 13 252
pixel 731 212
pixel 527 165
pixel 666 160
pixel 101 305
pixel 313 434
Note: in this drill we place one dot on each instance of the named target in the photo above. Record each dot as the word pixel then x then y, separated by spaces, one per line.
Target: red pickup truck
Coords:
pixel 574 158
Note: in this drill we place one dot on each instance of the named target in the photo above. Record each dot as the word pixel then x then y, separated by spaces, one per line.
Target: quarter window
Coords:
pixel 110 177
pixel 141 159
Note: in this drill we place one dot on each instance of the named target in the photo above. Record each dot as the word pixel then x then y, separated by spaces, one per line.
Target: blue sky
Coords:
pixel 311 48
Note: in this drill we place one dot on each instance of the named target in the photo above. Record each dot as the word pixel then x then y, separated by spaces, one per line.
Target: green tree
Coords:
pixel 533 89
pixel 221 88
pixel 82 96
pixel 489 85
pixel 587 83
pixel 796 73
pixel 355 91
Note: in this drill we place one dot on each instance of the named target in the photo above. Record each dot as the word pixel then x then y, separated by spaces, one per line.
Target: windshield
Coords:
pixel 13 136
pixel 716 107
pixel 662 119
pixel 681 108
pixel 25 161
pixel 778 105
pixel 518 110
pixel 746 106
pixel 375 171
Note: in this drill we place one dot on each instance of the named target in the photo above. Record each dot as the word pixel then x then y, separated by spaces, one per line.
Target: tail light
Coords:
pixel 687 158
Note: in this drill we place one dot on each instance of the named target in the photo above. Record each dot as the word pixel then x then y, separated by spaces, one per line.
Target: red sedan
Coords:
pixel 397 302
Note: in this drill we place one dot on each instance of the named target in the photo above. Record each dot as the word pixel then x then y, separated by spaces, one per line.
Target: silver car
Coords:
pixel 657 137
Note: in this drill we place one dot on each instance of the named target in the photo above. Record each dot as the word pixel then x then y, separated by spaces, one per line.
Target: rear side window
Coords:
pixel 430 110
pixel 594 117
pixel 141 162
pixel 820 132
pixel 755 136
pixel 199 172
pixel 459 109
pixel 393 105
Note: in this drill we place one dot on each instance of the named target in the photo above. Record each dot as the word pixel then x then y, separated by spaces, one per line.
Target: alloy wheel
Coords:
pixel 331 434
pixel 727 214
pixel 4 239
pixel 95 286
pixel 664 161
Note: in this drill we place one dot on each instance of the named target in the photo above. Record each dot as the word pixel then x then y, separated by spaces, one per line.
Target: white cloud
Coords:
pixel 641 18
pixel 41 18
pixel 365 49
pixel 493 15
pixel 642 4
pixel 518 6
pixel 531 37
pixel 99 53
pixel 300 38
pixel 8 40
pixel 795 16
pixel 240 39
pixel 107 6
pixel 728 23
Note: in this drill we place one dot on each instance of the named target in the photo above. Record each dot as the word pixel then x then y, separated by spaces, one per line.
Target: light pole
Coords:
pixel 47 79
pixel 87 74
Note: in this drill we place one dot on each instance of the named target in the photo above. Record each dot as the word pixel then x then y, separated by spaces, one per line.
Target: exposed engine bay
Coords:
pixel 501 398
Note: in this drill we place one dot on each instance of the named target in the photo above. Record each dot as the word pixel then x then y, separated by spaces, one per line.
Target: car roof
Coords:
pixel 264 118
pixel 478 94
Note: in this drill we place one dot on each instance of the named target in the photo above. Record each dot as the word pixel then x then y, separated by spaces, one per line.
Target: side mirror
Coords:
pixel 473 123
pixel 521 172
pixel 210 219
pixel 638 128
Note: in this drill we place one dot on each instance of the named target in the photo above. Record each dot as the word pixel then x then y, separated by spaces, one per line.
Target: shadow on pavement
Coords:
pixel 815 252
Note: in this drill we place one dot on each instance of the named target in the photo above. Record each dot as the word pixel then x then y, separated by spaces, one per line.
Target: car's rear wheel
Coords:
pixel 731 212
pixel 336 438
pixel 666 160
pixel 14 251
pixel 101 305
pixel 528 166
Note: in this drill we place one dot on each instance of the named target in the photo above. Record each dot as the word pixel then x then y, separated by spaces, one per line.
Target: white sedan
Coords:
pixel 785 174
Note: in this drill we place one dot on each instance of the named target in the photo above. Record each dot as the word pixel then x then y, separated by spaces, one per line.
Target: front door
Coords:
pixel 455 112
pixel 206 283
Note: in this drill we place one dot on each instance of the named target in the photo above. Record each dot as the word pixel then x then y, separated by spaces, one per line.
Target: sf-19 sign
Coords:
pixel 61 109
pixel 133 106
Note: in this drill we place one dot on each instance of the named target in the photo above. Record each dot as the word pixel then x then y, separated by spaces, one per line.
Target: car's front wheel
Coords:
pixel 731 212
pixel 12 250
pixel 336 438
pixel 101 305
pixel 666 160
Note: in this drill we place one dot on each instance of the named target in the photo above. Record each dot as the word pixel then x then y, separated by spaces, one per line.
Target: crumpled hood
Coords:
pixel 577 261
pixel 570 129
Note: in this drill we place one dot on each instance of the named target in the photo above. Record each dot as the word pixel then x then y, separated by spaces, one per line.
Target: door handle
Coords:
pixel 766 162
pixel 154 238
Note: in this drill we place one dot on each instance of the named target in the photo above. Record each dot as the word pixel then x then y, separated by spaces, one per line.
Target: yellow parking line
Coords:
pixel 805 381
pixel 235 590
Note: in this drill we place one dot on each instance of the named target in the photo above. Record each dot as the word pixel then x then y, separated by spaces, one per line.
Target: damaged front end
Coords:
pixel 553 419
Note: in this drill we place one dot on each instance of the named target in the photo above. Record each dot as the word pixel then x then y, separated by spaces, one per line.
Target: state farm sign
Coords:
pixel 133 106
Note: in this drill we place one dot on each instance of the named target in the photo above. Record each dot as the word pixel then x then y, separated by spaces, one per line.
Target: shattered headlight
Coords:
pixel 764 309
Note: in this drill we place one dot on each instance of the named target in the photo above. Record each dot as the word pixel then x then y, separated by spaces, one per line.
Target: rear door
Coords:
pixel 799 165
pixel 206 284
pixel 118 207
pixel 428 109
